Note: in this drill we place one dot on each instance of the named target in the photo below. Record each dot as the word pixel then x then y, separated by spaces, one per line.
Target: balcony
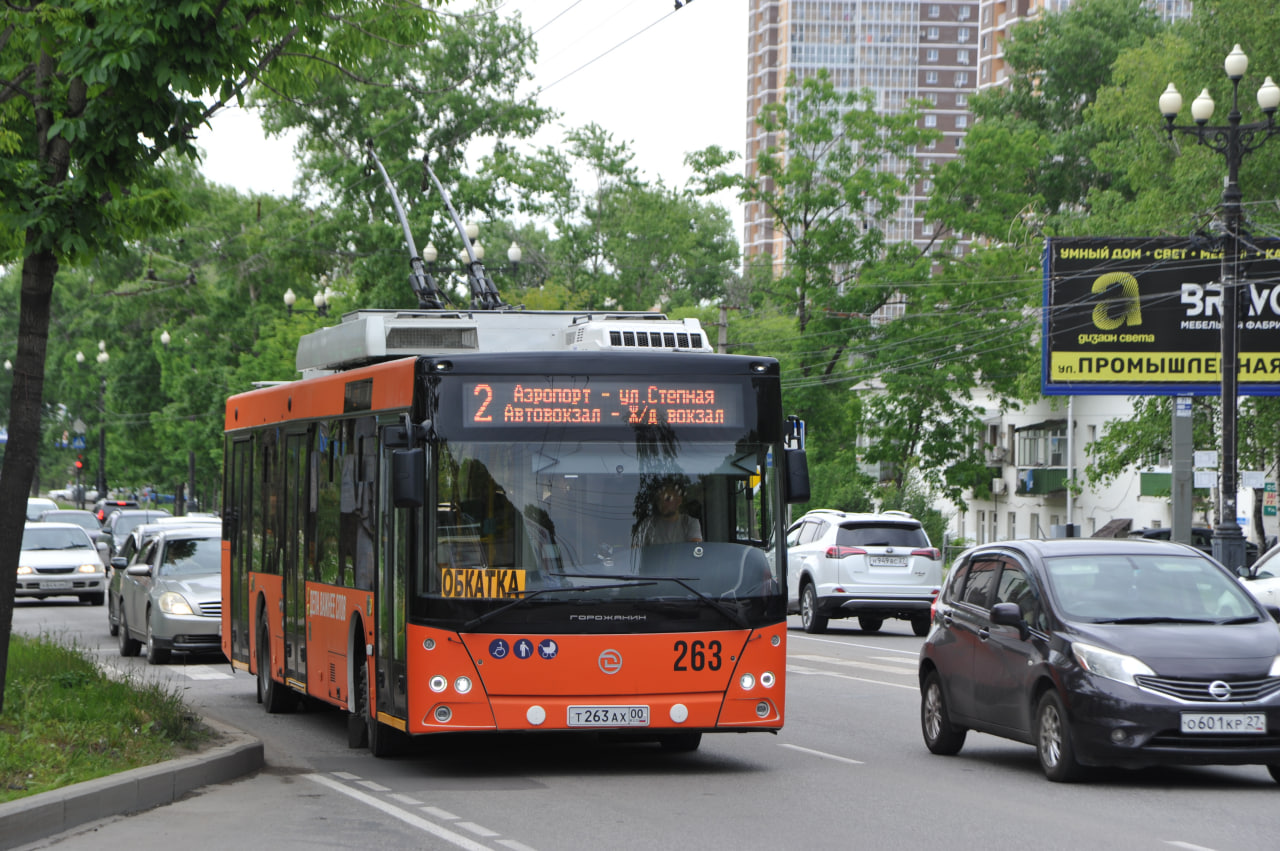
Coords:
pixel 1161 485
pixel 1040 481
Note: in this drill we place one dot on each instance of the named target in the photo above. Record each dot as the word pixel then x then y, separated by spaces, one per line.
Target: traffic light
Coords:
pixel 79 462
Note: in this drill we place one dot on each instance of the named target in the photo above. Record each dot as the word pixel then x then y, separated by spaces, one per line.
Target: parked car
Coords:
pixel 1262 578
pixel 869 566
pixel 1102 652
pixel 135 543
pixel 37 505
pixel 171 595
pixel 121 522
pixel 104 508
pixel 1201 539
pixel 57 560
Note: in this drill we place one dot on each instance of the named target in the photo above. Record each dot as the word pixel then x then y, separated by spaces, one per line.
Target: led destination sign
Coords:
pixel 533 401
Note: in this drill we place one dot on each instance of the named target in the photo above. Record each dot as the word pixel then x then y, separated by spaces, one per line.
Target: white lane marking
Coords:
pixel 793 637
pixel 372 786
pixel 346 775
pixel 823 754
pixel 897 660
pixel 478 830
pixel 513 845
pixel 850 663
pixel 1186 845
pixel 405 799
pixel 408 818
pixel 205 672
pixel 814 673
pixel 443 815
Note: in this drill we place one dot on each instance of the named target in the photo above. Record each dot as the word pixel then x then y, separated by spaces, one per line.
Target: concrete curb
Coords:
pixel 39 816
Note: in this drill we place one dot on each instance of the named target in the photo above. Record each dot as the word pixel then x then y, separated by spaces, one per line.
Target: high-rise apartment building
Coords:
pixel 900 49
pixel 940 51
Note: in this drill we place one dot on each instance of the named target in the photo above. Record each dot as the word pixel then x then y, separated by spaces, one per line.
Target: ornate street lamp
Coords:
pixel 1233 140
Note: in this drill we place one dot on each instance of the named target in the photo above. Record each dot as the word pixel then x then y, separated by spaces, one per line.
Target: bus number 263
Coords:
pixel 696 655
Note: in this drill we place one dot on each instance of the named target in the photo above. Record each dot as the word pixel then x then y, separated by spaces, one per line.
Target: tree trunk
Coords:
pixel 26 404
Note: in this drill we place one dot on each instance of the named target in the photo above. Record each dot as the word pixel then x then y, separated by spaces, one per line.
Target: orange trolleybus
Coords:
pixel 450 523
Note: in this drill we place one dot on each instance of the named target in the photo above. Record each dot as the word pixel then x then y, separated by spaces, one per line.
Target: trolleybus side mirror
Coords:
pixel 797 480
pixel 408 484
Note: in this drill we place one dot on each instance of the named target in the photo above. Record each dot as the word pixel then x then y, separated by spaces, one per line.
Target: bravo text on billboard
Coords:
pixel 1143 316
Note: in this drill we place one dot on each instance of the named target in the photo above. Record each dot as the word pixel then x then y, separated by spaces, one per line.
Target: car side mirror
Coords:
pixel 1243 573
pixel 1274 611
pixel 1008 614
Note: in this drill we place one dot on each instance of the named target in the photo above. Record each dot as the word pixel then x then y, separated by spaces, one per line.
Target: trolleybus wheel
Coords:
pixel 680 742
pixel 273 696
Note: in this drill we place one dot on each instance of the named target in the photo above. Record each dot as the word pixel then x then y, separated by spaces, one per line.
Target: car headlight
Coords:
pixel 1275 668
pixel 90 568
pixel 172 603
pixel 25 570
pixel 1109 664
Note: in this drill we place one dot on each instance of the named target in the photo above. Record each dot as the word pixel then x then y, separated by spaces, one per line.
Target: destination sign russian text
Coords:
pixel 601 402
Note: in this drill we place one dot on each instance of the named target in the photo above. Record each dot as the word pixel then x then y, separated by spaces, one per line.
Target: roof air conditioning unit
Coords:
pixel 998 486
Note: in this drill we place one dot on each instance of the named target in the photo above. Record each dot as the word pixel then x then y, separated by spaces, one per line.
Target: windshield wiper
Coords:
pixel 1153 619
pixel 683 582
pixel 476 621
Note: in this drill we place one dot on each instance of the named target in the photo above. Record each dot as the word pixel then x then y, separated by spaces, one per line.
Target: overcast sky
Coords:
pixel 666 81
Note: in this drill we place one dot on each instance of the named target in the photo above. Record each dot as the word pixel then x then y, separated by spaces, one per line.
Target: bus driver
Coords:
pixel 668 524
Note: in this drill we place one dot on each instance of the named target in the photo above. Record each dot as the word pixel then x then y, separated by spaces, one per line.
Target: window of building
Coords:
pixel 962 78
pixel 964 13
pixel 931 55
pixel 962 35
pixel 962 99
pixel 934 10
pixel 962 121
pixel 932 33
pixel 962 57
pixel 931 77
pixel 931 121
pixel 959 142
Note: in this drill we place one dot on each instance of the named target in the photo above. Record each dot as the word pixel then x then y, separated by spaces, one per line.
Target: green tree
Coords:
pixel 94 95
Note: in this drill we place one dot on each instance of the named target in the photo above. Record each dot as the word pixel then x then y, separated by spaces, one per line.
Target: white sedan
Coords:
pixel 1263 579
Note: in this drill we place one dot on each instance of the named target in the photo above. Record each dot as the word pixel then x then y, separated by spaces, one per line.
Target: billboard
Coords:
pixel 1143 317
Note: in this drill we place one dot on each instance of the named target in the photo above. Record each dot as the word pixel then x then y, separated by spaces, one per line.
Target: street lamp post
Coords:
pixel 1233 140
pixel 474 249
pixel 320 300
pixel 103 357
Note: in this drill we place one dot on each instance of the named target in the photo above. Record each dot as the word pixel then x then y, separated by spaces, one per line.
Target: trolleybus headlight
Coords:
pixel 763 709
pixel 437 683
pixel 775 640
pixel 766 679
pixel 748 682
pixel 429 644
pixel 443 714
pixel 462 685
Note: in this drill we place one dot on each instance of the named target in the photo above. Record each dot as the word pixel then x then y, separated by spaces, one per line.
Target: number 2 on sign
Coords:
pixel 480 415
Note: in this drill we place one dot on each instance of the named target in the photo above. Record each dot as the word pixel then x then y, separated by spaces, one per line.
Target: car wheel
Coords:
pixel 940 735
pixel 870 624
pixel 273 696
pixel 809 618
pixel 1274 771
pixel 920 626
pixel 113 619
pixel 129 646
pixel 93 599
pixel 155 655
pixel 1053 740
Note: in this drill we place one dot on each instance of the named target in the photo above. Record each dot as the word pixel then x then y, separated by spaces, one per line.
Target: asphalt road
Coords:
pixel 848 771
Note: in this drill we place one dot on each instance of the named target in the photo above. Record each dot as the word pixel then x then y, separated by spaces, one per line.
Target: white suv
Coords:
pixel 872 566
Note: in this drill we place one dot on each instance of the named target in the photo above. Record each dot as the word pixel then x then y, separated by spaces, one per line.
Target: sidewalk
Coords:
pixel 38 816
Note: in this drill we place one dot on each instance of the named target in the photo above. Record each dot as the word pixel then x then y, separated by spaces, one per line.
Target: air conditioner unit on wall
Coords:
pixel 998 486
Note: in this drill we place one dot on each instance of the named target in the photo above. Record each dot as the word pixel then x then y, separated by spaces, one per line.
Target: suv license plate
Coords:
pixel 608 716
pixel 886 561
pixel 54 584
pixel 1241 723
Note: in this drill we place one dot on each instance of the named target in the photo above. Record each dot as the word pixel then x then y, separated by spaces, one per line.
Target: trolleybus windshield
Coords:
pixel 589 534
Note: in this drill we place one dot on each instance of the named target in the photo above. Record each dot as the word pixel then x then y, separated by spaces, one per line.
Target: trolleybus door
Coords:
pixel 294 568
pixel 238 527
pixel 401 544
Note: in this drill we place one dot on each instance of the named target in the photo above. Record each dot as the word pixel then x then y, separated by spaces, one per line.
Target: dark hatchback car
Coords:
pixel 1103 652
